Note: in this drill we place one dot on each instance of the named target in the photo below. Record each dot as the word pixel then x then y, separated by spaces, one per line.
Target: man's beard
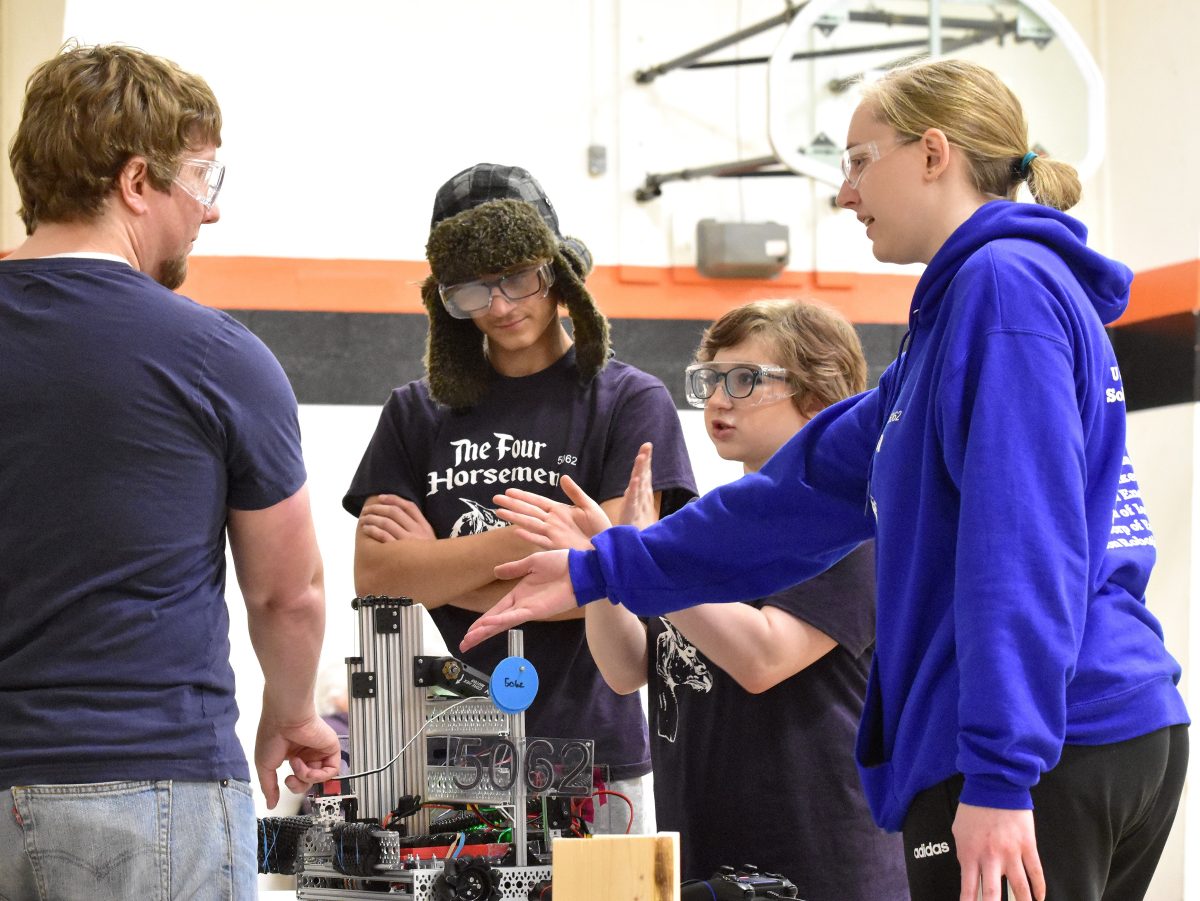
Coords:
pixel 172 272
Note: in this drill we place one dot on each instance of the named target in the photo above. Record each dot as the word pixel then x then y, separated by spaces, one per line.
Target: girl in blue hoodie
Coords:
pixel 1022 720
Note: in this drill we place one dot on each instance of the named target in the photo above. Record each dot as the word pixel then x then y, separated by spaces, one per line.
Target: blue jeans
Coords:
pixel 154 841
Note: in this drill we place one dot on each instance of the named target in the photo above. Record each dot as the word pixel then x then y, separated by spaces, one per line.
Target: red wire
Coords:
pixel 608 791
pixel 474 808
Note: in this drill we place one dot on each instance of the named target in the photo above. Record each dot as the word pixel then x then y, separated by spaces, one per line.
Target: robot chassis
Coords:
pixel 378 840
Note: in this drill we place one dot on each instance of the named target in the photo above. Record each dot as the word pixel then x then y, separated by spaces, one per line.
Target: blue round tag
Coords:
pixel 514 684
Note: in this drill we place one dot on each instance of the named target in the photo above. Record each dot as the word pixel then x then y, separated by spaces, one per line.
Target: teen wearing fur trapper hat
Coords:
pixel 509 400
pixel 497 236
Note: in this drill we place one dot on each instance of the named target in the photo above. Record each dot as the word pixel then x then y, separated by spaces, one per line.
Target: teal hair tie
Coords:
pixel 1025 161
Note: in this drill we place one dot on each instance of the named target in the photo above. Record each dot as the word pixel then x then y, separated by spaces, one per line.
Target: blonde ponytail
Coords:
pixel 1053 183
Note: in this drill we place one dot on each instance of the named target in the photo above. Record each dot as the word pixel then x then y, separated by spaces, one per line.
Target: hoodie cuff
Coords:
pixel 994 791
pixel 587 579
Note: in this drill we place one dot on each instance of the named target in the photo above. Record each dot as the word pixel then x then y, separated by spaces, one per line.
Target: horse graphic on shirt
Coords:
pixel 476 520
pixel 679 666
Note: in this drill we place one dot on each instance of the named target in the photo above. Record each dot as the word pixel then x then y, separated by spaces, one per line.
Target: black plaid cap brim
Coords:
pixel 488 181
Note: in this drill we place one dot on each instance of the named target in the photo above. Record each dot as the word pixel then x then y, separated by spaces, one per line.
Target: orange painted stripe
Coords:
pixel 644 292
pixel 1163 292
pixel 634 292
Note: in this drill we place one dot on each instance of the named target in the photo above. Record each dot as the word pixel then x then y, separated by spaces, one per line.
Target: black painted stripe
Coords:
pixel 357 358
pixel 1158 360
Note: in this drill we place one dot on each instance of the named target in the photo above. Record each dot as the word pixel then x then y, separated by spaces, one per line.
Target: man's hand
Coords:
pixel 993 843
pixel 311 747
pixel 393 518
pixel 544 591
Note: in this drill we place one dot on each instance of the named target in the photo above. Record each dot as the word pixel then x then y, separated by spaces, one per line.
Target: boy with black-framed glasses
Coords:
pixel 753 706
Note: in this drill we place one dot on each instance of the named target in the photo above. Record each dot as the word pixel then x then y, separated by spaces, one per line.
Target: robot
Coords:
pixel 449 801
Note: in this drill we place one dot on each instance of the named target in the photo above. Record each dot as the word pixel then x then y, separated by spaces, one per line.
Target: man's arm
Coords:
pixel 396 554
pixel 279 571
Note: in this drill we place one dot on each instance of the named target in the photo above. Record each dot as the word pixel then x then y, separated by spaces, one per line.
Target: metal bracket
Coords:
pixel 362 685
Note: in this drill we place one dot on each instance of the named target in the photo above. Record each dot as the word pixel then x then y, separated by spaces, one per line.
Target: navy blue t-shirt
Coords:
pixel 770 779
pixel 526 433
pixel 131 420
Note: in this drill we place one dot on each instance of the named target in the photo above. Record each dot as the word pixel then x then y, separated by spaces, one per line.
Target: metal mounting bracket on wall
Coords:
pixel 758 167
pixel 808 17
pixel 802 161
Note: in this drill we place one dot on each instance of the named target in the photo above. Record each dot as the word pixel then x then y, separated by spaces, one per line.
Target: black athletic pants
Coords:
pixel 1102 817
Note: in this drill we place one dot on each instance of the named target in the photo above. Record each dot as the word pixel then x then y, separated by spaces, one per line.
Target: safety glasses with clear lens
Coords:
pixel 465 300
pixel 857 159
pixel 201 179
pixel 750 384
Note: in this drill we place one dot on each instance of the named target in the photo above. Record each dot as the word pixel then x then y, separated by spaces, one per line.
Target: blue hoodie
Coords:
pixel 1012 548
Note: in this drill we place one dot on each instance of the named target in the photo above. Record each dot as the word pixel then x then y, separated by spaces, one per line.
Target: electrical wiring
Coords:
pixel 475 808
pixel 607 791
pixel 416 735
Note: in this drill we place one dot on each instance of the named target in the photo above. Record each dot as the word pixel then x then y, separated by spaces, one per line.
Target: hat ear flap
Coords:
pixel 588 323
pixel 455 364
pixel 577 255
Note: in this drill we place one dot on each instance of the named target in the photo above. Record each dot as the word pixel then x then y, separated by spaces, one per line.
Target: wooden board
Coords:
pixel 617 868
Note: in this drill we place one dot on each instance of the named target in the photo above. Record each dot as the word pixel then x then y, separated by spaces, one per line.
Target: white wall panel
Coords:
pixel 341 122
pixel 1163 446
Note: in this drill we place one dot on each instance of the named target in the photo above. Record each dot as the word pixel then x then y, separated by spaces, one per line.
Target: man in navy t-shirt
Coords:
pixel 139 428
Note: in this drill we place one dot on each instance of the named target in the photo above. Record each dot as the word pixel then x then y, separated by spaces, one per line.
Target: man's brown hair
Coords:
pixel 88 111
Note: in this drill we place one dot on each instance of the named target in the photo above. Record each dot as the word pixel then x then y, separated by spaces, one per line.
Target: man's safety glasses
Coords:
pixel 201 179
pixel 465 300
pixel 761 383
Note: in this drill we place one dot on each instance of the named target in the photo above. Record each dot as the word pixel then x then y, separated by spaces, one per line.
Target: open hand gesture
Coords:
pixel 544 591
pixel 548 523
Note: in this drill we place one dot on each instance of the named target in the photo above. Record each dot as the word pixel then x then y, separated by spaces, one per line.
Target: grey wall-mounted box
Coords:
pixel 741 249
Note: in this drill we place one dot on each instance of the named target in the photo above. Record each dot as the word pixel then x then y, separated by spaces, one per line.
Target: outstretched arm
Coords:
pixel 819 475
pixel 279 571
pixel 616 638
pixel 802 512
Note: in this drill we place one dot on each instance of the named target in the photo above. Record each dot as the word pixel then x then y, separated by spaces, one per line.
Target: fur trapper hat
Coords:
pixel 489 219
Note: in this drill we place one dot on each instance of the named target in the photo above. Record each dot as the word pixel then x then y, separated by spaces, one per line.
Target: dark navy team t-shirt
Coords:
pixel 769 779
pixel 527 433
pixel 131 419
